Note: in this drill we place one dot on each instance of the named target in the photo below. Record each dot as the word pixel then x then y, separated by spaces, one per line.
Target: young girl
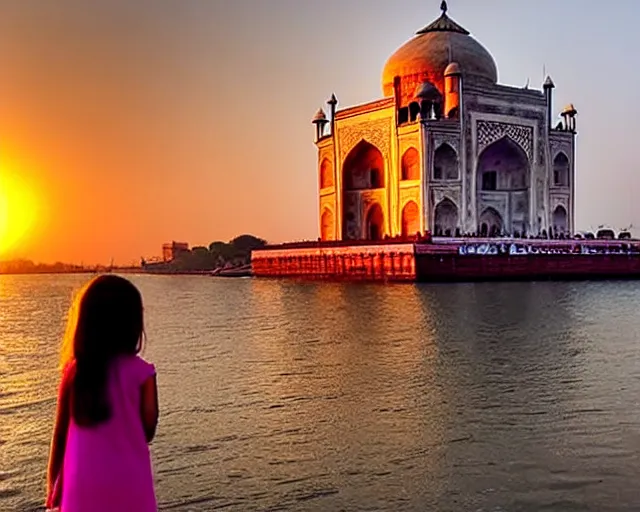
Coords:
pixel 107 406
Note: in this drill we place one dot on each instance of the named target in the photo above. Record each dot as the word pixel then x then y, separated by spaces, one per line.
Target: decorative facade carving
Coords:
pixel 451 193
pixel 497 202
pixel 409 194
pixel 491 131
pixel 559 200
pixel 560 148
pixel 454 142
pixel 376 132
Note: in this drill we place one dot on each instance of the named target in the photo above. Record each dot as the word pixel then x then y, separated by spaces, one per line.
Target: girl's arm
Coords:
pixel 149 407
pixel 59 440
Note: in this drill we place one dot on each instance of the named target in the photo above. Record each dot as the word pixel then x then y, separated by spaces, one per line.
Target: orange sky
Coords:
pixel 139 122
pixel 118 116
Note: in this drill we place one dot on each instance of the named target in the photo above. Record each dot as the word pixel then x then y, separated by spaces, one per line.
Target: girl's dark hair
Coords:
pixel 105 321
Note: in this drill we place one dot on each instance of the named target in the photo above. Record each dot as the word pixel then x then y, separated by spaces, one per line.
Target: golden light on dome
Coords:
pixel 18 210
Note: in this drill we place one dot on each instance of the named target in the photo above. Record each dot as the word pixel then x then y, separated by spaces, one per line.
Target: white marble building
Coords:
pixel 448 149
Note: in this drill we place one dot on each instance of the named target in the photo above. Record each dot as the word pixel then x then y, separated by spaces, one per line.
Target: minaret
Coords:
pixel 569 115
pixel 452 79
pixel 320 120
pixel 333 102
pixel 548 94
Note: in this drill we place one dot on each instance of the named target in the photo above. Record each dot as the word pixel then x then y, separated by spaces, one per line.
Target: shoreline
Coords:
pixel 209 273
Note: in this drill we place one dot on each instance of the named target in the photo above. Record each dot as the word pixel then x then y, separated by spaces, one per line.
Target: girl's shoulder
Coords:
pixel 140 369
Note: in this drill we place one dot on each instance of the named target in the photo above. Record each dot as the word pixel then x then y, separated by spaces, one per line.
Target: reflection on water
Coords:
pixel 293 396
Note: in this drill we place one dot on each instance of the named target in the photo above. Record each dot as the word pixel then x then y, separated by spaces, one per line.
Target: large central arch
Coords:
pixel 363 168
pixel 363 174
pixel 504 184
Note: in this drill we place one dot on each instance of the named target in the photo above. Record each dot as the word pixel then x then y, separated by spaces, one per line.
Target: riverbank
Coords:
pixel 243 271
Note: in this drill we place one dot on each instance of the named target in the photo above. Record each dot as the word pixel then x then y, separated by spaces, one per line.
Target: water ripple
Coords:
pixel 283 396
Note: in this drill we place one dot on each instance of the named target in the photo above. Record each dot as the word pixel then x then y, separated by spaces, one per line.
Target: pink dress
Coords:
pixel 107 468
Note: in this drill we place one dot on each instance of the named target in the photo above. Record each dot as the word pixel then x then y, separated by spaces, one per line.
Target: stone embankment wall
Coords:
pixel 394 262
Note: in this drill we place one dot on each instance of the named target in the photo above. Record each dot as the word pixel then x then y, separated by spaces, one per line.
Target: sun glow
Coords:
pixel 17 211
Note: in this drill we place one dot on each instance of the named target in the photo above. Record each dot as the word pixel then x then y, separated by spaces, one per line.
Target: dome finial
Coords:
pixel 443 23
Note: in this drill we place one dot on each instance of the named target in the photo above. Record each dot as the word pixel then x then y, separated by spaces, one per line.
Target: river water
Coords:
pixel 277 395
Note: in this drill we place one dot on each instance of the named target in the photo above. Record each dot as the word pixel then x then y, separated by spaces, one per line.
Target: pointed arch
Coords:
pixel 561 170
pixel 505 141
pixel 560 220
pixel 445 218
pixel 410 165
pixel 410 219
pixel 363 168
pixel 327 225
pixel 374 223
pixel 503 165
pixel 326 174
pixel 504 179
pixel 445 163
pixel 490 223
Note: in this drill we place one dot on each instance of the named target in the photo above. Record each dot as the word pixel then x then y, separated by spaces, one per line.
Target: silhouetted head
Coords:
pixel 105 321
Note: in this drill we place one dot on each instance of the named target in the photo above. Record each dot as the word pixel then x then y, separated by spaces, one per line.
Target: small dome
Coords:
pixel 428 55
pixel 427 91
pixel 548 83
pixel 569 110
pixel 319 117
pixel 453 69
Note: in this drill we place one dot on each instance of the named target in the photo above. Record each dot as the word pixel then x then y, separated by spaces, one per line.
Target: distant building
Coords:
pixel 448 149
pixel 172 250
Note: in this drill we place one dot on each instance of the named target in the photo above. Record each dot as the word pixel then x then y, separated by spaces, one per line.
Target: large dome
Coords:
pixel 426 56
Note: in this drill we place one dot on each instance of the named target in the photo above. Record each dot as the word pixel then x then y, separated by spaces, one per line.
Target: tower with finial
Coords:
pixel 320 121
pixel 548 87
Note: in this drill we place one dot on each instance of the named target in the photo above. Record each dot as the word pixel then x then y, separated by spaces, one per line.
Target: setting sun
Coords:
pixel 17 211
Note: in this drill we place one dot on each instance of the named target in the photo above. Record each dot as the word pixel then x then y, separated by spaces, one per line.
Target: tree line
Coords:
pixel 235 253
pixel 24 266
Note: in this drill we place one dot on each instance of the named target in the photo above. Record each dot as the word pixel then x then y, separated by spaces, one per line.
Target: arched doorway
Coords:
pixel 327 225
pixel 490 223
pixel 445 218
pixel 375 223
pixel 410 219
pixel 445 163
pixel 326 174
pixel 363 170
pixel 411 165
pixel 561 170
pixel 560 220
pixel 504 176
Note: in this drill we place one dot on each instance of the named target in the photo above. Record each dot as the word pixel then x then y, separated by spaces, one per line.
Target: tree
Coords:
pixel 248 243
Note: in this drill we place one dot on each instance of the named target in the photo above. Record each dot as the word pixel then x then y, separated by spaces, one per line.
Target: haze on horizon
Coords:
pixel 138 122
